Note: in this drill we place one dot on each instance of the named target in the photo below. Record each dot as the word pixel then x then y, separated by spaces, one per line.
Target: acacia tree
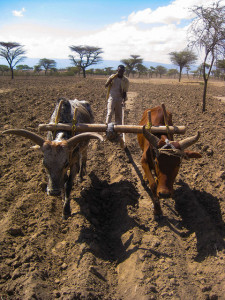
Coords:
pixel 37 69
pixel 160 70
pixel 182 59
pixel 23 68
pixel 13 53
pixel 221 68
pixel 172 72
pixel 3 69
pixel 109 70
pixel 131 63
pixel 151 71
pixel 85 56
pixel 141 70
pixel 47 64
pixel 208 33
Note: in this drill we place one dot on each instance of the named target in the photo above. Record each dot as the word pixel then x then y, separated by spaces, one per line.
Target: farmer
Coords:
pixel 117 85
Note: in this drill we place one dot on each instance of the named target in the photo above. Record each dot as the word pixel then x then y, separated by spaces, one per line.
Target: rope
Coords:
pixel 168 145
pixel 74 121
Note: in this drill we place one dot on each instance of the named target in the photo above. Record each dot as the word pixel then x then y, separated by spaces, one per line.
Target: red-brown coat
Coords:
pixel 162 156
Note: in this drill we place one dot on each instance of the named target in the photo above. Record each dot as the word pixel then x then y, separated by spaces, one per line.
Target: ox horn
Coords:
pixel 83 136
pixel 189 141
pixel 153 140
pixel 27 134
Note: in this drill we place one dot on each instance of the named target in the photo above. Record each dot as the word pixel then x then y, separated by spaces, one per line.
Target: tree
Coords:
pixel 141 69
pixel 3 69
pixel 47 64
pixel 182 59
pixel 160 70
pixel 73 71
pixel 221 68
pixel 13 53
pixel 172 72
pixel 131 63
pixel 188 69
pixel 85 56
pixel 37 69
pixel 151 71
pixel 109 70
pixel 207 33
pixel 23 68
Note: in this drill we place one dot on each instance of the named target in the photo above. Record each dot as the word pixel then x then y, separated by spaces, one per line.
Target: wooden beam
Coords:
pixel 83 127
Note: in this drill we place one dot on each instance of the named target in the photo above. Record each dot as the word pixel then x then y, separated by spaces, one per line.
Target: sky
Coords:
pixel 151 29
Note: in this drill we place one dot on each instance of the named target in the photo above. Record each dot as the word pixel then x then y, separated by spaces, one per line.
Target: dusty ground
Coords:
pixel 111 248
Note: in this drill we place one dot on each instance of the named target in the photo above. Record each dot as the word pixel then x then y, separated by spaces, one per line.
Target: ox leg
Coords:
pixel 148 174
pixel 83 163
pixel 68 188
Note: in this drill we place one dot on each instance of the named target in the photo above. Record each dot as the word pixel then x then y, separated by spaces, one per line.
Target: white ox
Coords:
pixel 63 152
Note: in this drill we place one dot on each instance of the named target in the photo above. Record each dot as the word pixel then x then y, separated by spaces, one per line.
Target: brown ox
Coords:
pixel 162 157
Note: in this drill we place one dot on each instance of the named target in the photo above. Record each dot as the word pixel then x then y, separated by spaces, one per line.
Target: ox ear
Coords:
pixel 191 154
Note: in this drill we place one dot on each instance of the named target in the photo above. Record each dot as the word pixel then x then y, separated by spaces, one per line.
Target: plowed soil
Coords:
pixel 111 247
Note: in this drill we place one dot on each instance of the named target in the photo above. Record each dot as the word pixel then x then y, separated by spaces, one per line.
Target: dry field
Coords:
pixel 111 247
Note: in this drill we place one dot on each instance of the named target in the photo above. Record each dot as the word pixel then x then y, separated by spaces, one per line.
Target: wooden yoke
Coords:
pixel 83 127
pixel 149 124
pixel 57 117
pixel 166 121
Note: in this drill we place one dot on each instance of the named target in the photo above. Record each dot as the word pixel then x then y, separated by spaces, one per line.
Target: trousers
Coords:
pixel 114 106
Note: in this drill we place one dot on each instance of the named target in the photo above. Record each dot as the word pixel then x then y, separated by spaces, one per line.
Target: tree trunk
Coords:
pixel 180 74
pixel 84 73
pixel 12 73
pixel 204 94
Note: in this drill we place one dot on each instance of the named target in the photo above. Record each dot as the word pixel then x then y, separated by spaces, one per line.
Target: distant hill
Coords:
pixel 65 63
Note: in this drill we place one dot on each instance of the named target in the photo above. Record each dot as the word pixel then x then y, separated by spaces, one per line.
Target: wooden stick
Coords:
pixel 166 119
pixel 123 116
pixel 83 127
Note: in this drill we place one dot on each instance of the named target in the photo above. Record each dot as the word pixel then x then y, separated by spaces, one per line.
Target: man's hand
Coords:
pixel 109 81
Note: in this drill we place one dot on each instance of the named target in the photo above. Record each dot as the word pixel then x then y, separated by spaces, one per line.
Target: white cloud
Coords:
pixel 150 34
pixel 18 13
pixel 173 13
